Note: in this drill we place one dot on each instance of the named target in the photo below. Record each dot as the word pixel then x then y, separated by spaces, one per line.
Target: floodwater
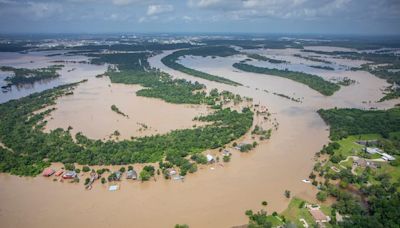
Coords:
pixel 215 197
pixel 71 72
pixel 143 116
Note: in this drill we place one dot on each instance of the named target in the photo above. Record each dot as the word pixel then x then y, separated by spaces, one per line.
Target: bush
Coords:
pixel 85 169
pixel 87 180
pixel 287 193
pixel 321 196
pixel 100 171
pixel 181 226
pixel 264 203
pixel 226 158
pixel 149 169
pixel 122 169
pixel 103 180
pixel 145 175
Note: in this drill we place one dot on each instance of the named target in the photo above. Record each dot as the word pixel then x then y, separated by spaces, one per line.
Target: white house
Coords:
pixel 387 157
pixel 371 150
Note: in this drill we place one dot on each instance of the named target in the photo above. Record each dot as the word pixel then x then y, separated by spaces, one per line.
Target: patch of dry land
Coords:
pixel 89 111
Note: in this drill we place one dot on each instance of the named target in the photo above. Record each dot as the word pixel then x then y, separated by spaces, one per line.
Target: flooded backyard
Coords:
pixel 216 197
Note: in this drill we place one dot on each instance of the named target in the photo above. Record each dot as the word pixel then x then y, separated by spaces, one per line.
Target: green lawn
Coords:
pixel 293 213
pixel 274 221
pixel 348 146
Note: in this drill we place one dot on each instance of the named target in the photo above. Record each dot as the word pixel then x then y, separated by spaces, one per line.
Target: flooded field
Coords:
pixel 144 116
pixel 215 197
pixel 71 72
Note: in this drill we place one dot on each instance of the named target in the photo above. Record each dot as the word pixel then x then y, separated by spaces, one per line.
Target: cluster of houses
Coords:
pixel 370 148
pixel 64 174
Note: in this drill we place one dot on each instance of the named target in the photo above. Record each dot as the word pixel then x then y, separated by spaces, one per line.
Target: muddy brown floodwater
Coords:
pixel 143 116
pixel 215 197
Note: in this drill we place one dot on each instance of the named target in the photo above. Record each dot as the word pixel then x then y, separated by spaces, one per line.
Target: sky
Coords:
pixel 364 17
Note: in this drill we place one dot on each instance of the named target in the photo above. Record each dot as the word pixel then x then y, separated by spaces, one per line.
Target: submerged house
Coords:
pixel 59 172
pixel 69 175
pixel 131 174
pixel 210 158
pixel 226 153
pixel 118 175
pixel 48 172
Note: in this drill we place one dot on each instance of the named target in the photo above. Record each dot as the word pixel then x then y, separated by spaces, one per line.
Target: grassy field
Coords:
pixel 349 147
pixel 294 213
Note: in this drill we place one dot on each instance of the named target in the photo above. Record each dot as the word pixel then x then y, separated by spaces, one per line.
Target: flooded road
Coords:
pixel 215 197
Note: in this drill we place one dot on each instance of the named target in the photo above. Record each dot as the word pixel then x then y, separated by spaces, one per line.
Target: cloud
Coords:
pixel 252 9
pixel 159 9
pixel 123 2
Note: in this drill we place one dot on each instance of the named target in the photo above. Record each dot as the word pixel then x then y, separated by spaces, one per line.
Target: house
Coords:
pixel 69 175
pixel 113 188
pixel 118 175
pixel 319 216
pixel 210 158
pixel 131 174
pixel 59 172
pixel 48 172
pixel 368 142
pixel 239 146
pixel 171 172
pixel 263 109
pixel 387 157
pixel 374 150
pixel 364 163
pixel 226 153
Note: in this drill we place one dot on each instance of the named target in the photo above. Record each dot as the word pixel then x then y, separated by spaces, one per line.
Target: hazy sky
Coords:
pixel 255 16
